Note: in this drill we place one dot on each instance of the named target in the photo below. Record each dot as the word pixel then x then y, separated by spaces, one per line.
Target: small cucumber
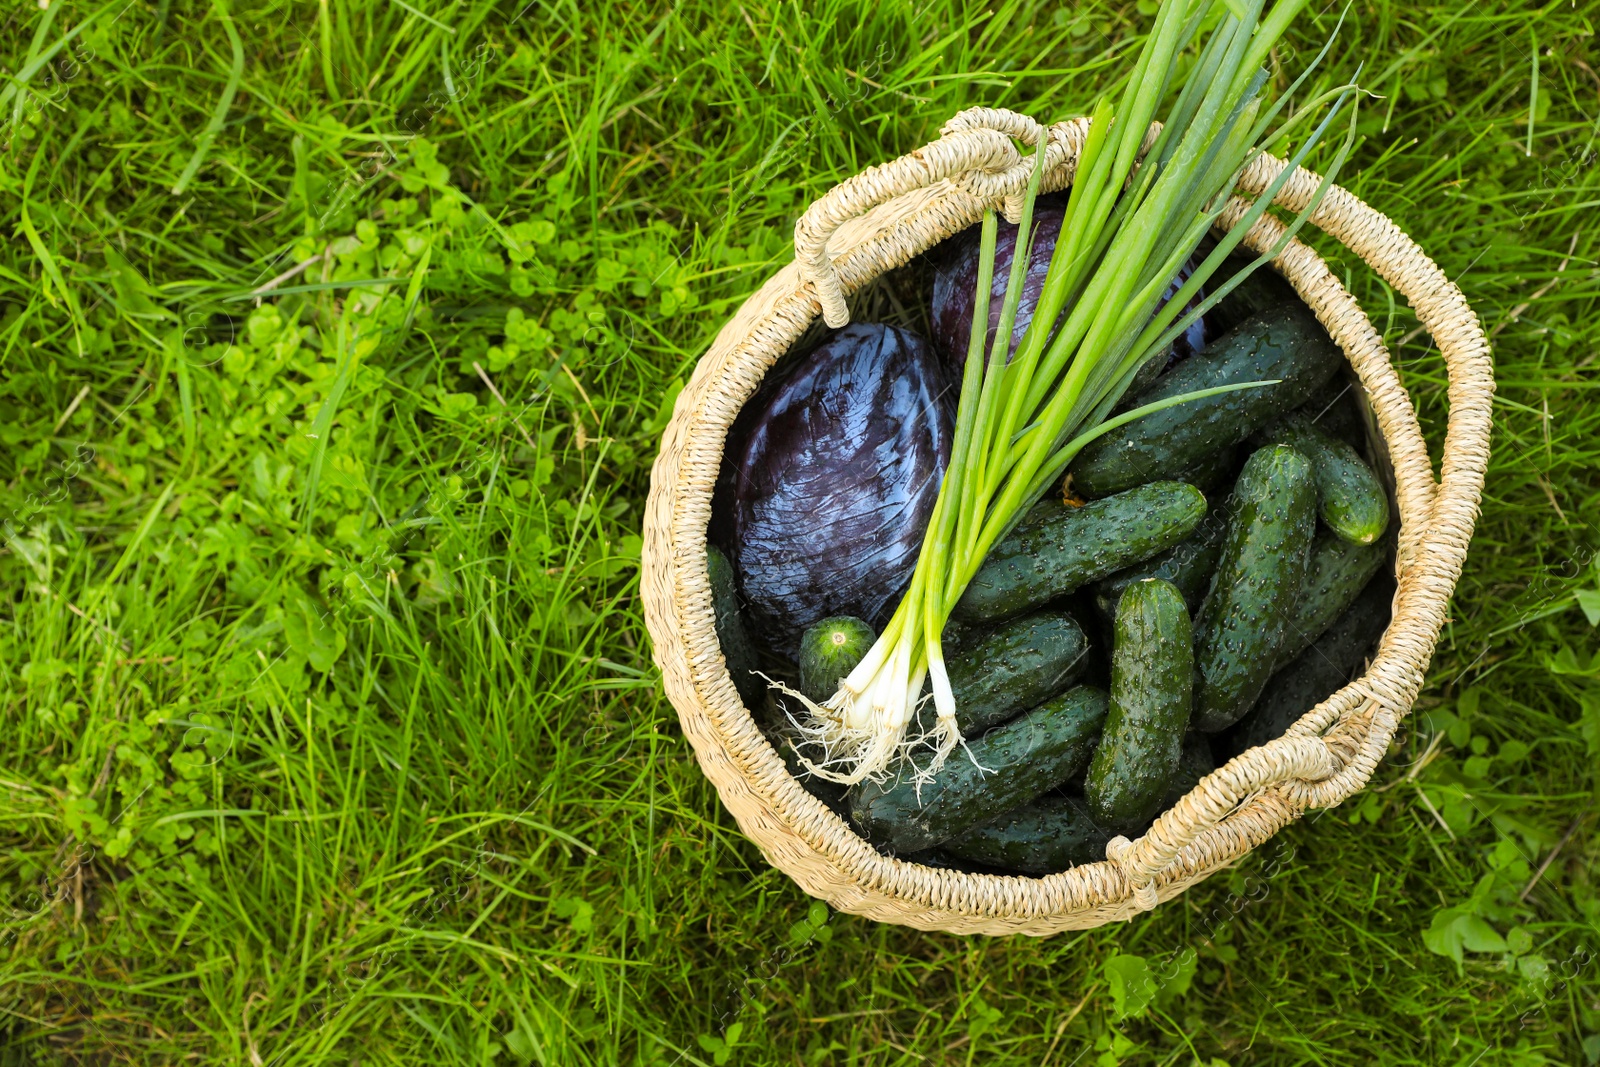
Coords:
pixel 1187 565
pixel 1319 671
pixel 1350 500
pixel 731 634
pixel 1335 575
pixel 1194 763
pixel 1152 676
pixel 829 651
pixel 1285 344
pixel 1241 625
pixel 1051 834
pixel 1009 765
pixel 1060 547
pixel 1002 672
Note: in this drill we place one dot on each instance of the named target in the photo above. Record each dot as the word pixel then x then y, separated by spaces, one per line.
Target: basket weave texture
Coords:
pixel 879 220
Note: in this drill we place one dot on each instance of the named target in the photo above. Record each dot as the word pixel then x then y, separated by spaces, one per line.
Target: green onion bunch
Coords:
pixel 1132 220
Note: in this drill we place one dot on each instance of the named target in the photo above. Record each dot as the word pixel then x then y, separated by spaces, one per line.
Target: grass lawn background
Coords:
pixel 330 734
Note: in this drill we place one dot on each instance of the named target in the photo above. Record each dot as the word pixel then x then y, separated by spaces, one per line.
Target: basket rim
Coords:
pixel 881 218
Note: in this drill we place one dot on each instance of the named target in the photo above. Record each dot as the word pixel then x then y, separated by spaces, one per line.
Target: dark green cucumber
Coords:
pixel 1187 565
pixel 1015 763
pixel 1350 499
pixel 999 673
pixel 1285 344
pixel 1051 834
pixel 1241 626
pixel 1152 677
pixel 1336 573
pixel 1060 547
pixel 731 634
pixel 829 651
pixel 1320 671
pixel 1194 763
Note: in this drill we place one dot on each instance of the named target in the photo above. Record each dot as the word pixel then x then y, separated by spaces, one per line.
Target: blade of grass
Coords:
pixel 219 114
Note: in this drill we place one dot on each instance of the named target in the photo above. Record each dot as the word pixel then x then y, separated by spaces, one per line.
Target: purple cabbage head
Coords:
pixel 955 280
pixel 833 478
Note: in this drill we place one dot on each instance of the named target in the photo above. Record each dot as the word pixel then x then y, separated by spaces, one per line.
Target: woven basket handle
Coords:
pixel 1296 759
pixel 976 149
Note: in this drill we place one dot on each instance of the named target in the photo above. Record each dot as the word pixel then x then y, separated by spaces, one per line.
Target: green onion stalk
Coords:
pixel 1132 219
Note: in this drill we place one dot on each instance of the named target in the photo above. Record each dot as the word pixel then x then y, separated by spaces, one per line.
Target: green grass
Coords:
pixel 330 730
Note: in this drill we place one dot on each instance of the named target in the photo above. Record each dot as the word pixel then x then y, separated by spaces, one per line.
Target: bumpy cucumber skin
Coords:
pixel 1187 565
pixel 1152 679
pixel 1319 671
pixel 1336 572
pixel 1350 499
pixel 1023 759
pixel 1018 665
pixel 829 651
pixel 731 634
pixel 1194 763
pixel 1051 834
pixel 1241 625
pixel 1283 343
pixel 1059 547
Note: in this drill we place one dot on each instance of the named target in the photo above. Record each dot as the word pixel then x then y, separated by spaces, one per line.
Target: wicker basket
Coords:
pixel 877 221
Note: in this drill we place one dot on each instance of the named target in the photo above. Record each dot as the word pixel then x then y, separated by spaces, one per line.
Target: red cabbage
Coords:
pixel 831 476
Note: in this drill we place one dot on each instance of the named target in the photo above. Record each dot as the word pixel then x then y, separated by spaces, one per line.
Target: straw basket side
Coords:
pixel 877 221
